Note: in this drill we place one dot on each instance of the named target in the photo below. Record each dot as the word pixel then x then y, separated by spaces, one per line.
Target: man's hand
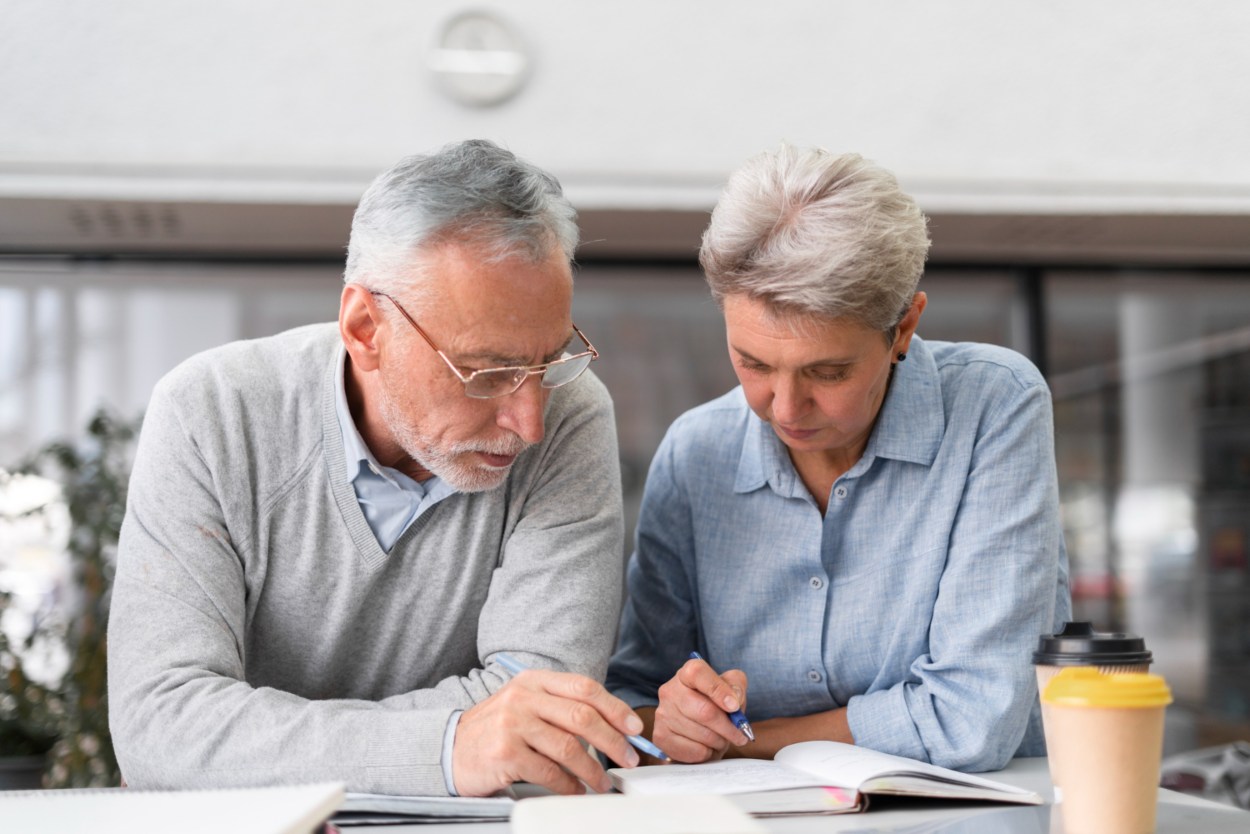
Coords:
pixel 692 722
pixel 529 732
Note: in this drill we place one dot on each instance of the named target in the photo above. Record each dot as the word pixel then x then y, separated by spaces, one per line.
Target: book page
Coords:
pixel 849 766
pixel 431 807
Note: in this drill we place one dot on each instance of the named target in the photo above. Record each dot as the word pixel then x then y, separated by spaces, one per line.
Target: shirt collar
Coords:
pixel 763 459
pixel 909 427
pixel 355 452
pixel 913 418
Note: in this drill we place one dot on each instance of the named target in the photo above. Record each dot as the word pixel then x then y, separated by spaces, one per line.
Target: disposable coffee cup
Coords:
pixel 1106 733
pixel 1077 644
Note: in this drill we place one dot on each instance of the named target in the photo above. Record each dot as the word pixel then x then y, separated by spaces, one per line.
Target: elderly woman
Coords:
pixel 865 534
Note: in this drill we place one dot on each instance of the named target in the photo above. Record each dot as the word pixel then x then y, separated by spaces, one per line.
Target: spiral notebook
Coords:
pixel 287 809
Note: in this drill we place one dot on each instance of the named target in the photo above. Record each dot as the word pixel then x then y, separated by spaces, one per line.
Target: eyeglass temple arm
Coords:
pixel 594 354
pixel 424 335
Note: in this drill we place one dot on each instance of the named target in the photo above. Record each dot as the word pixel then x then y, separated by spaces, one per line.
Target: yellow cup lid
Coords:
pixel 1083 686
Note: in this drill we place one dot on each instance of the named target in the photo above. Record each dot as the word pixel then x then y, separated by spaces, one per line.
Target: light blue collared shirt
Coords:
pixel 391 501
pixel 915 601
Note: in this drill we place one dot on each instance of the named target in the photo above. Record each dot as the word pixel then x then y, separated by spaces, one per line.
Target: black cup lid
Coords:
pixel 1077 644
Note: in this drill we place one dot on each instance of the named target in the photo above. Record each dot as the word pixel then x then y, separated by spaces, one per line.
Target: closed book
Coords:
pixel 285 809
pixel 616 814
pixel 388 809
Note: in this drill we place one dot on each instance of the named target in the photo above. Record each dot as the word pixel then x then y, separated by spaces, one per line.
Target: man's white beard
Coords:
pixel 449 463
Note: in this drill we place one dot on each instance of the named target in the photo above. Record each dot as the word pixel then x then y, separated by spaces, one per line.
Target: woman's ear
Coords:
pixel 907 327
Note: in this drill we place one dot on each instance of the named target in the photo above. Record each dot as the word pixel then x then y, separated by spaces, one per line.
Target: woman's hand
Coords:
pixel 692 720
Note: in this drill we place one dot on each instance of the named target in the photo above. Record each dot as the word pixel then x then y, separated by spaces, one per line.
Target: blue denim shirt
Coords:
pixel 916 599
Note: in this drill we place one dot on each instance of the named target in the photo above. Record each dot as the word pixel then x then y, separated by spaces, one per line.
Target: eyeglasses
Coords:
pixel 500 382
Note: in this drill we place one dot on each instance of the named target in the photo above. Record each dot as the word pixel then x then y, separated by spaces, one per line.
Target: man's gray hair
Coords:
pixel 811 233
pixel 473 193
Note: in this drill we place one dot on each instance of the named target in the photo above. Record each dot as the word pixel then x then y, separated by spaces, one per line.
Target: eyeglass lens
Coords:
pixel 565 372
pixel 497 383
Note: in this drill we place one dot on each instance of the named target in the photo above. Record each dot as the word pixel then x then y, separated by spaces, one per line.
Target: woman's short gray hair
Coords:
pixel 811 233
pixel 471 192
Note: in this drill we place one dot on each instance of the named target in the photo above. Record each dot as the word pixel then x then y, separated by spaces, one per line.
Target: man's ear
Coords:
pixel 359 323
pixel 907 327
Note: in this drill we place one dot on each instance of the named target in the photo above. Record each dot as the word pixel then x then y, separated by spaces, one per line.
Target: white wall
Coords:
pixel 1042 103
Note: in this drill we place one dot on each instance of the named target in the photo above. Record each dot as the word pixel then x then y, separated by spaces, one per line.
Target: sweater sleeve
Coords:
pixel 555 599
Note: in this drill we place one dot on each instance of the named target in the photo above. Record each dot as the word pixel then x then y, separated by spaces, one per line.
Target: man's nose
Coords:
pixel 521 412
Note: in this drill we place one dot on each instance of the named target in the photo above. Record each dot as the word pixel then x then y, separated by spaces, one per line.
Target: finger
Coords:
pixel 684 740
pixel 583 707
pixel 699 676
pixel 534 767
pixel 693 708
pixel 581 688
pixel 685 707
pixel 698 719
pixel 737 680
pixel 684 751
pixel 567 753
pixel 582 719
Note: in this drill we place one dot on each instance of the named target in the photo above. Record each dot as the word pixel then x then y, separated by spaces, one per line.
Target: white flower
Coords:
pixel 21 494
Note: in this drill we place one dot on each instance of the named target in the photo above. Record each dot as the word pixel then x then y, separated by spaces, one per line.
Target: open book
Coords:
pixel 815 777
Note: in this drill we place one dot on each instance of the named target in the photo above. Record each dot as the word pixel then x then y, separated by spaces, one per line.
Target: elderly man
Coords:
pixel 332 533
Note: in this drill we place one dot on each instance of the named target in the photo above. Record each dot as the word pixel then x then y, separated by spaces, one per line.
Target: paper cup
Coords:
pixel 1107 737
pixel 1078 645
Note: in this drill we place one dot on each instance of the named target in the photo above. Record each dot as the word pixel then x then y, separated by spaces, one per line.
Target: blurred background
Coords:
pixel 176 175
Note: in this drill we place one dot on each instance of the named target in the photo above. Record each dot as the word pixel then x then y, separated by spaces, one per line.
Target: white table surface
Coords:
pixel 1178 814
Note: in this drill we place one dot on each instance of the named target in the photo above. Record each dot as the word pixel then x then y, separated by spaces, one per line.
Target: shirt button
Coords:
pixel 813 676
pixel 840 492
pixel 817 582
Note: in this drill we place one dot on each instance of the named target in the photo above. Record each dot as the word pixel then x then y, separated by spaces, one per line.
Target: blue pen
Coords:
pixel 738 717
pixel 514 666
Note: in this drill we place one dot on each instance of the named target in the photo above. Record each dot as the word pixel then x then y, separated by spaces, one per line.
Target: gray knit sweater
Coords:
pixel 260 635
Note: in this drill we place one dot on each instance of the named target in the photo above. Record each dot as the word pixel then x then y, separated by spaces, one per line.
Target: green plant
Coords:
pixel 73 714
